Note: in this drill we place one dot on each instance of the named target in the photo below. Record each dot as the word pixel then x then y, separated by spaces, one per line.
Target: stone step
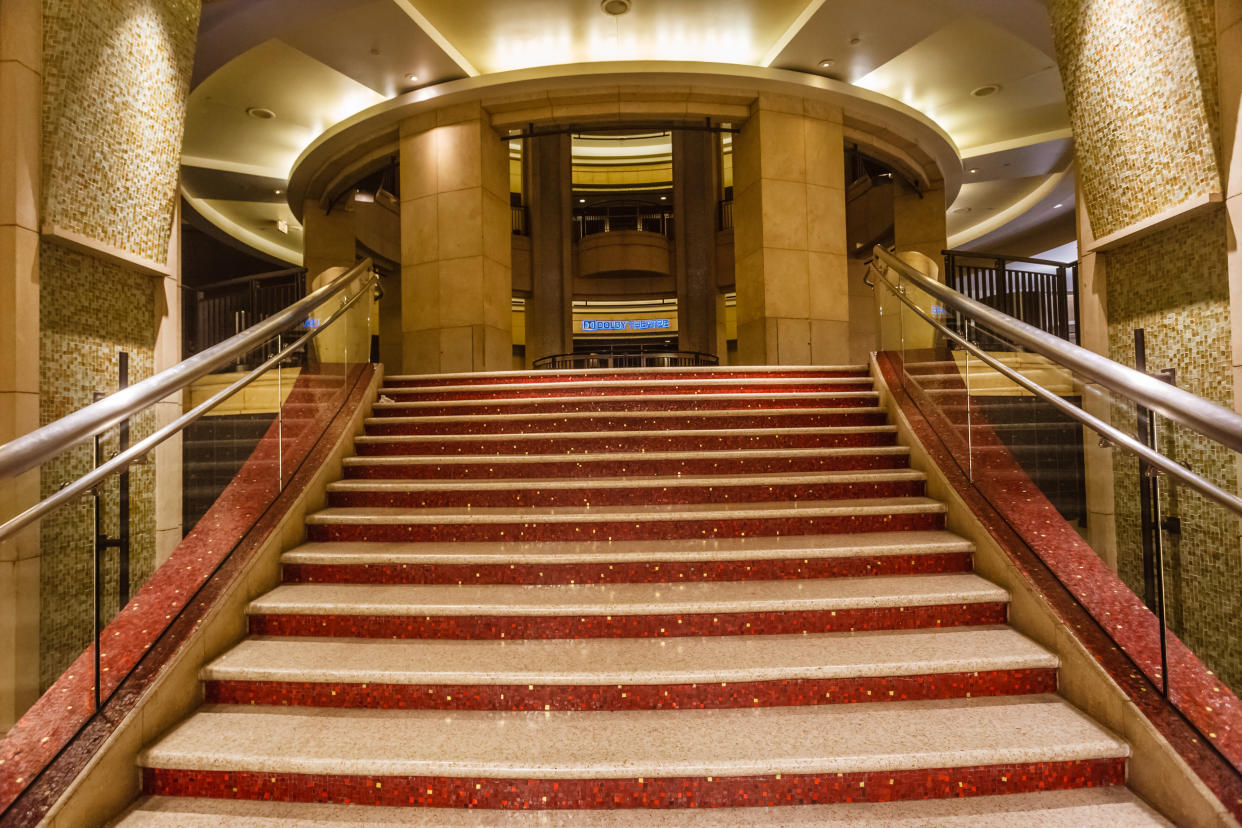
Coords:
pixel 626 387
pixel 679 439
pixel 718 559
pixel 633 402
pixel 628 610
pixel 579 422
pixel 634 491
pixel 631 674
pixel 651 522
pixel 627 464
pixel 1050 809
pixel 774 755
pixel 623 374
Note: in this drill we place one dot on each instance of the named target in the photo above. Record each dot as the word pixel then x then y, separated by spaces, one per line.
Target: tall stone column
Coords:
pixel 21 67
pixel 919 225
pixel 789 234
pixel 548 169
pixel 455 248
pixel 331 239
pixel 696 182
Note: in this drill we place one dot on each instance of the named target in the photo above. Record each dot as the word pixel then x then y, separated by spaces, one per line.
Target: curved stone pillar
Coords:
pixel 789 234
pixel 455 249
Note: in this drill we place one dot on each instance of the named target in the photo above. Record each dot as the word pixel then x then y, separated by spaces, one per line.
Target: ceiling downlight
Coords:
pixel 614 8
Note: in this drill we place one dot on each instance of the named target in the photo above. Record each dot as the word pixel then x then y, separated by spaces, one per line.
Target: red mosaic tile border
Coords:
pixel 628 573
pixel 621 530
pixel 635 496
pixel 620 388
pixel 491 627
pixel 776 693
pixel 791 418
pixel 659 792
pixel 632 441
pixel 688 403
pixel 552 377
pixel 640 467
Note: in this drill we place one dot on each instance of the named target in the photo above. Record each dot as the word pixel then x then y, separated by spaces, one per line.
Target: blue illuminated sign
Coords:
pixel 625 324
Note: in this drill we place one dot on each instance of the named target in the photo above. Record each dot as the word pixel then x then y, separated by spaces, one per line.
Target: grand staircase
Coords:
pixel 568 594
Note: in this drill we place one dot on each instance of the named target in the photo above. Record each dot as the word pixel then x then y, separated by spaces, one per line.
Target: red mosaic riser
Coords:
pixel 660 792
pixel 790 419
pixel 720 695
pixel 631 496
pixel 623 389
pixel 552 378
pixel 638 467
pixel 627 573
pixel 635 442
pixel 491 627
pixel 702 402
pixel 621 530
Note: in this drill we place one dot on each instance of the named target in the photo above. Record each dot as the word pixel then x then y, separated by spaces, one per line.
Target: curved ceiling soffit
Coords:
pixel 894 131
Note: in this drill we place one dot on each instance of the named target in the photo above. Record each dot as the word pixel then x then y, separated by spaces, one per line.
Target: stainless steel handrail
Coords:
pixel 42 444
pixel 1209 419
pixel 1105 430
pixel 118 464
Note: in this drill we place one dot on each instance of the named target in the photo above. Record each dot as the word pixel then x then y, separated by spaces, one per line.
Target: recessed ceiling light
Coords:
pixel 855 40
pixel 985 90
pixel 582 201
pixel 412 77
pixel 277 191
pixel 826 63
pixel 616 8
pixel 1056 206
pixel 973 170
pixel 663 198
pixel 262 113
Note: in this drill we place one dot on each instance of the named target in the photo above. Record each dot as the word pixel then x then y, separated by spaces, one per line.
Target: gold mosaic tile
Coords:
pixel 1141 86
pixel 115 82
pixel 88 311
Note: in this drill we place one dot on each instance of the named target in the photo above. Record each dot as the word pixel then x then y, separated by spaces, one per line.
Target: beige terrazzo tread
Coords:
pixel 536 385
pixel 845 738
pixel 1082 808
pixel 849 544
pixel 363 515
pixel 639 483
pixel 620 456
pixel 610 661
pixel 532 436
pixel 725 370
pixel 642 398
pixel 688 598
pixel 684 415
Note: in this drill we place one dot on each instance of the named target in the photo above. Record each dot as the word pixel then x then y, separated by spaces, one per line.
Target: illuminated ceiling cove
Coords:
pixel 982 69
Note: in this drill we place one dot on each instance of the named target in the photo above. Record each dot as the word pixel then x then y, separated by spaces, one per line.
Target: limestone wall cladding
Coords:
pixel 1141 86
pixel 89 311
pixel 115 82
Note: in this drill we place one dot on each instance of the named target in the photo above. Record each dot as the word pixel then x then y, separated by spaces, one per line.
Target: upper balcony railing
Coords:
pixel 615 217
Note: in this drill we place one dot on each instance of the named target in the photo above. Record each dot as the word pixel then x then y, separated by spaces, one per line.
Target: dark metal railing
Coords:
pixel 626 359
pixel 222 310
pixel 1046 300
pixel 518 220
pixel 726 214
pixel 611 218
